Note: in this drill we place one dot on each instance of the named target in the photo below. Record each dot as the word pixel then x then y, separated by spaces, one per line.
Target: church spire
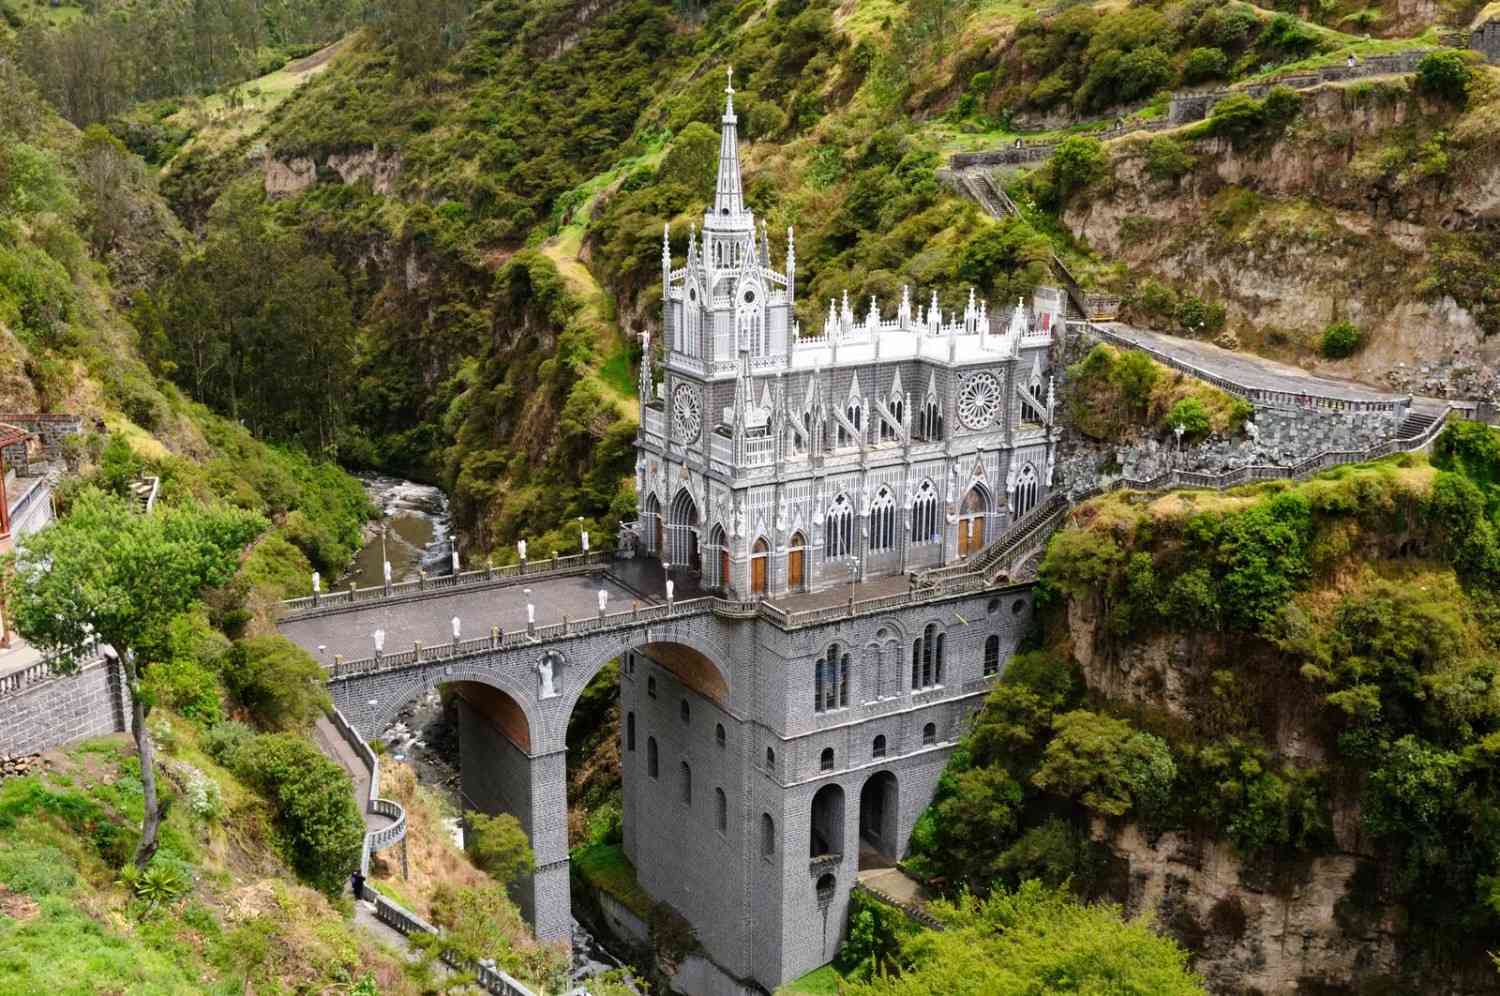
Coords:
pixel 728 198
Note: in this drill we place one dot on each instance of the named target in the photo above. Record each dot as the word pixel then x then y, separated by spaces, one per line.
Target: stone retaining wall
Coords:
pixel 90 703
pixel 1485 39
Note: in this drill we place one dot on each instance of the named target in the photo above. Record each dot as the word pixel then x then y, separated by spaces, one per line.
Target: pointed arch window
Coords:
pixel 883 520
pixel 838 535
pixel 891 432
pixel 991 656
pixel 930 420
pixel 924 515
pixel 1023 499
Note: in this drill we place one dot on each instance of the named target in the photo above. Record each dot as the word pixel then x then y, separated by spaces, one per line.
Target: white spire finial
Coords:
pixel 729 72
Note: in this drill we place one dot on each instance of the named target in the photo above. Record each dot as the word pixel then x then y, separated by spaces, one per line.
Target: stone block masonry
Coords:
pixel 93 702
pixel 1485 39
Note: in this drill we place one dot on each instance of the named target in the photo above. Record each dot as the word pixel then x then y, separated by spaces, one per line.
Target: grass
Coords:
pixel 605 867
pixel 219 126
pixel 819 982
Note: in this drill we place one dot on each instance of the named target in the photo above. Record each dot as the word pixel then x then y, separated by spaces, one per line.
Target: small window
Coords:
pixel 1018 606
pixel 721 810
pixel 929 733
pixel 686 774
pixel 651 756
pixel 685 711
pixel 993 607
pixel 991 656
pixel 826 886
pixel 651 686
pixel 825 762
pixel 878 748
pixel 719 735
pixel 767 835
pixel 630 731
pixel 770 760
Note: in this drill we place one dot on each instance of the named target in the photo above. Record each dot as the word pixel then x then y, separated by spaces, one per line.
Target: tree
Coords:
pixel 1108 764
pixel 278 681
pixel 1036 940
pixel 107 573
pixel 499 846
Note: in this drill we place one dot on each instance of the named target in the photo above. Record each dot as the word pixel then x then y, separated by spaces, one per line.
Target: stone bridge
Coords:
pixel 542 634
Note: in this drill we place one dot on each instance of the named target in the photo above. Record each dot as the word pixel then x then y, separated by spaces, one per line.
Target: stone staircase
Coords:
pixel 1416 423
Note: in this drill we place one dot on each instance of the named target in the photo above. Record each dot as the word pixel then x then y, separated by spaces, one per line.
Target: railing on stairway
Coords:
pixel 375 840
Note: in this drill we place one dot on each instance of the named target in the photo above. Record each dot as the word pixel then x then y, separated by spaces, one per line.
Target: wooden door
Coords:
pixel 963 537
pixel 976 534
pixel 758 574
pixel 794 570
pixel 724 567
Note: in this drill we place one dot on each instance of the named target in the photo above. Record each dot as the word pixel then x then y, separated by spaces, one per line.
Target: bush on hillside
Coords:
pixel 1168 159
pixel 1204 64
pixel 320 828
pixel 1341 339
pixel 278 683
pixel 497 844
pixel 1445 74
pixel 1078 162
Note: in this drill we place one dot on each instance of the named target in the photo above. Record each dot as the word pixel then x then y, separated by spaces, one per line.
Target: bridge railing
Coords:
pixel 549 567
pixel 398 918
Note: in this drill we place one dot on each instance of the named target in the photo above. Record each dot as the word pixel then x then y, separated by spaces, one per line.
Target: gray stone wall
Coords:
pixel 1485 39
pixel 90 703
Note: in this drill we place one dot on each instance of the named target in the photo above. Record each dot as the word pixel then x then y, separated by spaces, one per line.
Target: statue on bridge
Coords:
pixel 546 672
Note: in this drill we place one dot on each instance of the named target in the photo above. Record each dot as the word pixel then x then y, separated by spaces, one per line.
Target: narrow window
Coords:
pixel 651 756
pixel 991 656
pixel 651 686
pixel 719 735
pixel 916 663
pixel 721 809
pixel 686 711
pixel 770 760
pixel 825 762
pixel 929 733
pixel 767 835
pixel 843 680
pixel 630 731
pixel 687 783
pixel 938 657
pixel 878 750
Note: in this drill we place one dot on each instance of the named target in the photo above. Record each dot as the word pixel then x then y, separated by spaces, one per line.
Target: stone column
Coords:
pixel 551 904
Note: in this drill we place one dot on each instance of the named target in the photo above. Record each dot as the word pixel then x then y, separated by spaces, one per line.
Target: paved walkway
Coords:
pixel 894 883
pixel 828 598
pixel 349 634
pixel 326 736
pixel 1249 370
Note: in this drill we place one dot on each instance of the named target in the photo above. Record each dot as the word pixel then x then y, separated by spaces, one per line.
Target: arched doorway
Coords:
pixel 878 811
pixel 760 555
pixel 971 517
pixel 827 819
pixel 683 532
pixel 796 563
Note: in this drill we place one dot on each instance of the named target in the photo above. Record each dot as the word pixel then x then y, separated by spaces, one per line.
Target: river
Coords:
pixel 416 534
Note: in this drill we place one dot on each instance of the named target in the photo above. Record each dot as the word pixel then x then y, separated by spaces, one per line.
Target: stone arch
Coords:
pixel 879 814
pixel 384 713
pixel 682 531
pixel 716 686
pixel 826 821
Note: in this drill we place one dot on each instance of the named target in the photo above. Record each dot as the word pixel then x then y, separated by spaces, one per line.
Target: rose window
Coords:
pixel 685 412
pixel 978 400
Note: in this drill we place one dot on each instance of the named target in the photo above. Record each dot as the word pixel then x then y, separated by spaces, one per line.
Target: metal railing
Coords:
pixel 577 563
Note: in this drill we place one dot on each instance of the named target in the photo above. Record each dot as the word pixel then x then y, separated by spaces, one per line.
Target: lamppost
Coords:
pixel 853 573
pixel 1179 429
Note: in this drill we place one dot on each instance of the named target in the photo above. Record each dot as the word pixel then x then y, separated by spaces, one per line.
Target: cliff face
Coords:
pixel 1317 924
pixel 1375 205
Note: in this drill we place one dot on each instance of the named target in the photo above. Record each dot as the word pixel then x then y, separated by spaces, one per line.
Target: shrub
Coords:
pixel 1191 415
pixel 1341 339
pixel 223 739
pixel 1106 763
pixel 319 826
pixel 1168 159
pixel 1078 162
pixel 278 682
pixel 1204 64
pixel 1199 317
pixel 499 846
pixel 1444 74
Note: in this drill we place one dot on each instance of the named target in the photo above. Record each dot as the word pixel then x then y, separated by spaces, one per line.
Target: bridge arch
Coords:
pixel 387 707
pixel 698 663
